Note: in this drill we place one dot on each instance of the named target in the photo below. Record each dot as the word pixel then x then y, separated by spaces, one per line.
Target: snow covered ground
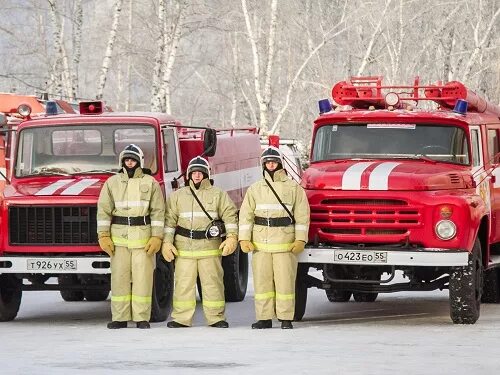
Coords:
pixel 408 333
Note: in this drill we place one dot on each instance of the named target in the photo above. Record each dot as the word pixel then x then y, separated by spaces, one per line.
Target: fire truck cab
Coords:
pixel 393 188
pixel 48 226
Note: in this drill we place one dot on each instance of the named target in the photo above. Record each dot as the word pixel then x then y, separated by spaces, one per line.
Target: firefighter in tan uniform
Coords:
pixel 194 240
pixel 130 221
pixel 275 235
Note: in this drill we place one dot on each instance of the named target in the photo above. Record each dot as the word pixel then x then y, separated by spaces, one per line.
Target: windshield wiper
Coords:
pixel 49 172
pixel 95 171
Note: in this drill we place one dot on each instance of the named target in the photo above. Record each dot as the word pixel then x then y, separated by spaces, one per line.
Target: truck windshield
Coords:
pixel 376 141
pixel 80 149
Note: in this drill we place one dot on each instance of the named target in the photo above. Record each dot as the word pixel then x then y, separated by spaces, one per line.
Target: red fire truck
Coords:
pixel 59 163
pixel 399 191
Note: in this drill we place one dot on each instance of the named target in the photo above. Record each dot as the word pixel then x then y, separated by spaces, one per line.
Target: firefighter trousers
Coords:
pixel 131 284
pixel 211 277
pixel 274 284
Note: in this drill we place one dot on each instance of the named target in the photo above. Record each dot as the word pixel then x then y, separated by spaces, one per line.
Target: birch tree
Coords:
pixel 106 62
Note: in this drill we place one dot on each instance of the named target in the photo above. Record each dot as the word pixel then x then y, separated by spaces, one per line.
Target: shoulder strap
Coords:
pixel 279 200
pixel 197 200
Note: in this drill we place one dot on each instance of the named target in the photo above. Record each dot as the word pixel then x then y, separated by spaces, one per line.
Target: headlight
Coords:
pixel 24 110
pixel 446 229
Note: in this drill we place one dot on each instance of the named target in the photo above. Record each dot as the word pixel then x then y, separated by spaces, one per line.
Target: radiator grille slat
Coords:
pixel 53 225
pixel 366 217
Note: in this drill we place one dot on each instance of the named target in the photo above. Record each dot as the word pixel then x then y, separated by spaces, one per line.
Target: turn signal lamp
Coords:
pixel 24 110
pixel 324 106
pixel 91 108
pixel 51 108
pixel 461 107
pixel 445 212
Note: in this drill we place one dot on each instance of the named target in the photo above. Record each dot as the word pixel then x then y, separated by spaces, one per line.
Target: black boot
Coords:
pixel 174 324
pixel 220 324
pixel 143 325
pixel 262 324
pixel 286 324
pixel 117 325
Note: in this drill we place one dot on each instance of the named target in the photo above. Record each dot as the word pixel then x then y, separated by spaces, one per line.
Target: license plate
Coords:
pixel 351 256
pixel 51 264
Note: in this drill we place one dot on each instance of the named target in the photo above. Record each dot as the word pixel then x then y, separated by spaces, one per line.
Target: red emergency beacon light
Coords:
pixel 274 140
pixel 91 108
pixel 366 92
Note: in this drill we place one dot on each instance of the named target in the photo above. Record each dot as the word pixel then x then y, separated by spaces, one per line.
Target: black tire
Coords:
pixel 365 297
pixel 96 295
pixel 163 290
pixel 70 295
pixel 466 289
pixel 235 276
pixel 491 286
pixel 301 291
pixel 334 295
pixel 10 296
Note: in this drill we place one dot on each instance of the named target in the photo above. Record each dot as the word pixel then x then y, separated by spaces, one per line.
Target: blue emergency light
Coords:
pixel 324 106
pixel 461 107
pixel 51 108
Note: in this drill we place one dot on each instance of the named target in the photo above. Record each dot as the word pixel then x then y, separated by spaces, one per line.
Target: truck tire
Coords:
pixel 70 295
pixel 466 289
pixel 301 292
pixel 334 295
pixel 491 286
pixel 96 295
pixel 235 276
pixel 163 290
pixel 365 297
pixel 10 296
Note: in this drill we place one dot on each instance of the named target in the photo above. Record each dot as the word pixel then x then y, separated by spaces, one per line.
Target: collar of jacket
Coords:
pixel 137 174
pixel 204 185
pixel 279 175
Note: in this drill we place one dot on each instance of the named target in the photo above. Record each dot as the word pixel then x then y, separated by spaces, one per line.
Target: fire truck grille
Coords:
pixel 53 225
pixel 346 218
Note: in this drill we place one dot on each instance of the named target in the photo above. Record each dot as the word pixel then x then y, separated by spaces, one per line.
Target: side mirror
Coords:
pixel 209 142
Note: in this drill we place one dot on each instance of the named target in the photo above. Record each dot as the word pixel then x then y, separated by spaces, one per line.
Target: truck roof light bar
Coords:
pixel 363 92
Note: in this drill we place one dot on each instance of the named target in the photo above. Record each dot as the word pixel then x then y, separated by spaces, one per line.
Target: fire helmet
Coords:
pixel 198 164
pixel 132 152
pixel 271 153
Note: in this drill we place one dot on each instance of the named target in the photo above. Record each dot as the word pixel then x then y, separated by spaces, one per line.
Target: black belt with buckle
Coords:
pixel 189 233
pixel 273 221
pixel 132 221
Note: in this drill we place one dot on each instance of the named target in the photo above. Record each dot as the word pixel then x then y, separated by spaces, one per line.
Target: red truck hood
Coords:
pixel 386 175
pixel 59 186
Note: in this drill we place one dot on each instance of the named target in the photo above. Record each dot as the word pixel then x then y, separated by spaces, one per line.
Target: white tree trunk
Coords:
pixel 106 62
pixel 263 96
pixel 129 55
pixel 160 51
pixel 77 48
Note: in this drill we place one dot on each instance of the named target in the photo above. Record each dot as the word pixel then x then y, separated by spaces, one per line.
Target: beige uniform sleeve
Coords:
pixel 157 211
pixel 247 214
pixel 301 214
pixel 229 214
pixel 171 217
pixel 105 207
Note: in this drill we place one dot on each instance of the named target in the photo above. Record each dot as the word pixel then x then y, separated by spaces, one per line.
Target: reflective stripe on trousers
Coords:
pixel 211 278
pixel 131 284
pixel 274 284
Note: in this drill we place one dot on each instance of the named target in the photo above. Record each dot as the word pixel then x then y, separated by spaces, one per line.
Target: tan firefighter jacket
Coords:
pixel 138 196
pixel 184 211
pixel 260 201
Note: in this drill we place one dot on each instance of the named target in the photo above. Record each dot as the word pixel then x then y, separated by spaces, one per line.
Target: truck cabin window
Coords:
pixel 80 149
pixel 442 143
